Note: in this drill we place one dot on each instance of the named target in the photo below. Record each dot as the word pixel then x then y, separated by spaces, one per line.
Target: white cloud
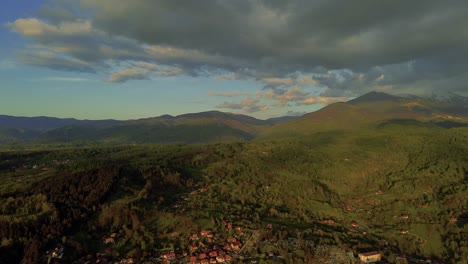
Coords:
pixel 170 71
pixel 285 96
pixel 248 105
pixel 137 71
pixel 278 81
pixel 33 27
pixel 322 100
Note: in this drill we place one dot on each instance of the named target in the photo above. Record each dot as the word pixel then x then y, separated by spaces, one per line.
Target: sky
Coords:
pixel 120 59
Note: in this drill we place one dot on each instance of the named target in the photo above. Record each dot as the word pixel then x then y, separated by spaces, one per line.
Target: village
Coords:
pixel 239 241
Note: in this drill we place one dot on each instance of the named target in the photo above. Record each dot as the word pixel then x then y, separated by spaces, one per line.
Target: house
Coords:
pixel 453 219
pixel 404 216
pixel 213 261
pixel 202 256
pixel 109 240
pixel 194 236
pixel 354 224
pixel 193 248
pixel 204 261
pixel 170 255
pixel 227 247
pixel 370 257
pixel 127 260
pixel 205 232
pixel 228 258
pixel 236 245
pixel 220 259
pixel 193 260
pixel 213 254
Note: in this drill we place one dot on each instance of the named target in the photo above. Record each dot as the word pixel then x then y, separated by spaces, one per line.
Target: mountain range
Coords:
pixel 371 109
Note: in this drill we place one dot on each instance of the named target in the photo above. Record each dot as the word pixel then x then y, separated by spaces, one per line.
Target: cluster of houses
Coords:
pixel 204 250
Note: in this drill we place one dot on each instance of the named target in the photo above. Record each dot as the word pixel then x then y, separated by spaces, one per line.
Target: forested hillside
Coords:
pixel 398 187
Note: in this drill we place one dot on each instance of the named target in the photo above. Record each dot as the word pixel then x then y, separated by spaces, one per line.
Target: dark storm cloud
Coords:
pixel 351 46
pixel 329 33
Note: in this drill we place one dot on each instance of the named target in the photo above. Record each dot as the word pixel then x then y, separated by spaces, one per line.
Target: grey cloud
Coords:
pixel 248 105
pixel 348 46
pixel 294 113
pixel 58 12
pixel 52 61
pixel 306 34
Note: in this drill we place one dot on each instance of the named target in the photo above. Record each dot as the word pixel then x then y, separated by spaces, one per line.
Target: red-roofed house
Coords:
pixel 205 232
pixel 236 245
pixel 170 255
pixel 227 247
pixel 109 240
pixel 193 260
pixel 193 248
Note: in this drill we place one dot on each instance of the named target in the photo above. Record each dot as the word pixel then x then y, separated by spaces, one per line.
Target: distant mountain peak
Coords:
pixel 372 97
pixel 446 97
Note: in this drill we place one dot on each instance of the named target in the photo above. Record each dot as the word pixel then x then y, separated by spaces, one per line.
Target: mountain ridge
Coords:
pixel 216 126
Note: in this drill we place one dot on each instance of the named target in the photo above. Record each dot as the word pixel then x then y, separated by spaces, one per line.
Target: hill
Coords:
pixel 369 110
pixel 291 200
pixel 205 127
pixel 42 123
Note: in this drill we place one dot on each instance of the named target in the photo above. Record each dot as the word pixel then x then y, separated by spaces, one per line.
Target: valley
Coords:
pixel 305 190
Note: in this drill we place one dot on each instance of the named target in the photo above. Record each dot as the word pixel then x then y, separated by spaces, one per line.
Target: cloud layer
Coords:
pixel 344 48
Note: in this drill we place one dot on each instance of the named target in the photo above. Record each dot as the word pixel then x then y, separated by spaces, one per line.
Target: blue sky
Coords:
pixel 99 59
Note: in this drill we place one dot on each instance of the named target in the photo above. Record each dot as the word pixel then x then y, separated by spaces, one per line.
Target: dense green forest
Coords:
pixel 403 186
